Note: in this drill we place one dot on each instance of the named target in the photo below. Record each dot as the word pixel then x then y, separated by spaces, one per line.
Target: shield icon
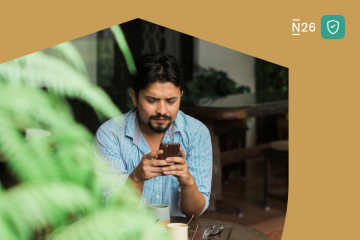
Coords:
pixel 333 26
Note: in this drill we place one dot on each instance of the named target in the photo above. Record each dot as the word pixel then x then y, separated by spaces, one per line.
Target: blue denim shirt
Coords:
pixel 122 145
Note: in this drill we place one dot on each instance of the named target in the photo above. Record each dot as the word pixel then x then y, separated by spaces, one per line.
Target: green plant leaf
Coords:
pixel 41 70
pixel 39 204
pixel 70 54
pixel 121 41
pixel 59 174
pixel 108 224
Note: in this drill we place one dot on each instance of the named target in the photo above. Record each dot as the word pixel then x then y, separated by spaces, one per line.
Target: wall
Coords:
pixel 239 67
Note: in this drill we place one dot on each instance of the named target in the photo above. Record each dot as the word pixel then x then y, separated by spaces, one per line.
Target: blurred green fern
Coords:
pixel 60 178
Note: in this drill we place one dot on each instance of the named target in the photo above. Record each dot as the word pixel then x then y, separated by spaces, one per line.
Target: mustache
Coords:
pixel 158 116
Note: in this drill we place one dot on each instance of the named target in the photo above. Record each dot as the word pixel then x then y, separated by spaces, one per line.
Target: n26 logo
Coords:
pixel 298 27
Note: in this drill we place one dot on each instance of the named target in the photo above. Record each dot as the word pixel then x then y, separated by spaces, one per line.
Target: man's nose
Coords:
pixel 161 108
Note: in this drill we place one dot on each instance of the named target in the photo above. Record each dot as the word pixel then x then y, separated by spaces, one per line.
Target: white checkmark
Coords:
pixel 333 26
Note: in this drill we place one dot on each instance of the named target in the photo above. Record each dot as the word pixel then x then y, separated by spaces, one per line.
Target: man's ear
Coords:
pixel 133 97
pixel 181 93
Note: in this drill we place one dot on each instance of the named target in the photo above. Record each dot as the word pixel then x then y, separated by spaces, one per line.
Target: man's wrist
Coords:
pixel 190 183
pixel 134 178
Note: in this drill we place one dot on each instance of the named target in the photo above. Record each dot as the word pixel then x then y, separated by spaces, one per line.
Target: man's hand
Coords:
pixel 148 168
pixel 179 170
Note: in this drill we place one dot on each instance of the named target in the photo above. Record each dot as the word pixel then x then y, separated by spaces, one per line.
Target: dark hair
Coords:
pixel 157 67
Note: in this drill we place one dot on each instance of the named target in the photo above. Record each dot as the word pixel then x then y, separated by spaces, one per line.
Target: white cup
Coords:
pixel 177 231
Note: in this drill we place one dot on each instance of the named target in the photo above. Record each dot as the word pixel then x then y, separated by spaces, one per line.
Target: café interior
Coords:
pixel 243 101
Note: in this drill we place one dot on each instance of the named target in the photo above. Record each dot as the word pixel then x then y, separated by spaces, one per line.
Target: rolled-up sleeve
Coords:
pixel 199 158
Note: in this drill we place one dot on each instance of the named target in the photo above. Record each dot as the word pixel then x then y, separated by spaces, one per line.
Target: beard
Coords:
pixel 159 128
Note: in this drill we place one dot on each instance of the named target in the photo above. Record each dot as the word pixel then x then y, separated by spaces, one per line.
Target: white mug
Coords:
pixel 177 231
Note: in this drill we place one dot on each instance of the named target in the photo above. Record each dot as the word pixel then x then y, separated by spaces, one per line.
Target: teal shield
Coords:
pixel 333 26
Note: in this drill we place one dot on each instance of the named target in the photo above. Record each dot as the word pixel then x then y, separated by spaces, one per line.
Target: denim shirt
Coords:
pixel 120 142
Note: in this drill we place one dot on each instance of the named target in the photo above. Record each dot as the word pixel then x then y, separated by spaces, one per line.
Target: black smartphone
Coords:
pixel 170 150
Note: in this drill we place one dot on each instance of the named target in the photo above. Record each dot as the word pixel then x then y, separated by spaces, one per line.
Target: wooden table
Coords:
pixel 225 114
pixel 232 231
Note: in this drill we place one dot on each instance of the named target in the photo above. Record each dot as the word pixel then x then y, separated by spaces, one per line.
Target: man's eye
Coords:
pixel 171 102
pixel 150 101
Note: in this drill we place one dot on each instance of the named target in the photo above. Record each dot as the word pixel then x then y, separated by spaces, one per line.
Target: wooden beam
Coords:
pixel 273 108
pixel 238 155
pixel 208 113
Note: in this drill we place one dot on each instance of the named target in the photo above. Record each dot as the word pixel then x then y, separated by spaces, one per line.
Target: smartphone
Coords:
pixel 170 150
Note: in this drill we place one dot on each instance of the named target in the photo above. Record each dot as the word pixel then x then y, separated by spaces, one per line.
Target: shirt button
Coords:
pixel 157 196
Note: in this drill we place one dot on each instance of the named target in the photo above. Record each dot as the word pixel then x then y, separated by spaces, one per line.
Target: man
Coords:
pixel 130 143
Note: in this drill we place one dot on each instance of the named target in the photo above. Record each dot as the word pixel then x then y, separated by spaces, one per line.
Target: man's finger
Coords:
pixel 176 167
pixel 157 174
pixel 157 163
pixel 182 153
pixel 174 173
pixel 156 170
pixel 178 160
pixel 154 154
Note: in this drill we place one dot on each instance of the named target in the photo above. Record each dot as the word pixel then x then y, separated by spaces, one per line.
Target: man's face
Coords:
pixel 158 105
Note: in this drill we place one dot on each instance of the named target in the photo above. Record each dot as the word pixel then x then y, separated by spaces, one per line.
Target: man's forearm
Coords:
pixel 191 201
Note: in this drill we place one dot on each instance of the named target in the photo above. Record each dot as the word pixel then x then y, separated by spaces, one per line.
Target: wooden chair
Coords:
pixel 276 166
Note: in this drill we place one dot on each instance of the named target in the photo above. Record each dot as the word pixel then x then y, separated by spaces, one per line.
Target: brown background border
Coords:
pixel 324 89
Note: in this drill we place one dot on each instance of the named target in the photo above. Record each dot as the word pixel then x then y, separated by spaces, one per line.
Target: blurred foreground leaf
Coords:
pixel 61 180
pixel 121 41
